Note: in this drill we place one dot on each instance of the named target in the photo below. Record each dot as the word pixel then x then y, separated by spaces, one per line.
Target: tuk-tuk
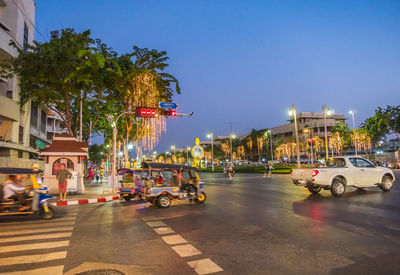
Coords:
pixel 188 188
pixel 133 181
pixel 36 198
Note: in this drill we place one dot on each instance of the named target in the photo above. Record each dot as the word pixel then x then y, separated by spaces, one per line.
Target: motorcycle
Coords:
pixel 36 199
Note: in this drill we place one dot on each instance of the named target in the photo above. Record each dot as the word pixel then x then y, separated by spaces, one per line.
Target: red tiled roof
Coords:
pixel 66 146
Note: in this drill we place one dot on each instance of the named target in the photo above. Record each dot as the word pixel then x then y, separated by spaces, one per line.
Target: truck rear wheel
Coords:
pixel 387 183
pixel 314 189
pixel 338 187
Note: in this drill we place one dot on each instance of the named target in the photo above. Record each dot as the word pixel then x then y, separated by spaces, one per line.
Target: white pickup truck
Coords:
pixel 341 172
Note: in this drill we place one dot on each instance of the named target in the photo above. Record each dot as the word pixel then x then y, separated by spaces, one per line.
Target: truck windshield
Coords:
pixel 336 162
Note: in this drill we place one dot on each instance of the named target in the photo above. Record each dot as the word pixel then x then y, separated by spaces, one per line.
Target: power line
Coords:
pixel 34 26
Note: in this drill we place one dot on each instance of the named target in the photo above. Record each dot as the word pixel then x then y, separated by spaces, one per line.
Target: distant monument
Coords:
pixel 197 153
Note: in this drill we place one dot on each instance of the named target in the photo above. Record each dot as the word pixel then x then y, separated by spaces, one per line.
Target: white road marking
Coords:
pixel 174 239
pixel 33 258
pixel 36 237
pixel 22 247
pixel 53 270
pixel 40 222
pixel 186 250
pixel 150 218
pixel 163 230
pixel 21 226
pixel 41 230
pixel 205 266
pixel 156 224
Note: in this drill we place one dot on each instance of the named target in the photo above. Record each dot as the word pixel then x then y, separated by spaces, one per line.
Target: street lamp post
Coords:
pixel 173 148
pixel 114 122
pixel 326 112
pixel 187 154
pixel 270 141
pixel 354 128
pixel 232 136
pixel 211 136
pixel 293 112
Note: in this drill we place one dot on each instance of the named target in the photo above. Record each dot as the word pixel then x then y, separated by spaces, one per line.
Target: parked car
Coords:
pixel 341 172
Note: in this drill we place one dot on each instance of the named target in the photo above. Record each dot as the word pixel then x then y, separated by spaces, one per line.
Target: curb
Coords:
pixel 85 201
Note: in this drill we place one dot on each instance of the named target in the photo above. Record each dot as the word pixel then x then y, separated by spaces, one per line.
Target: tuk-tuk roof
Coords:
pixel 123 171
pixel 19 171
pixel 160 165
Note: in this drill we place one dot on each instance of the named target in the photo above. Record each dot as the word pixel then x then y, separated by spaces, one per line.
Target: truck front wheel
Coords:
pixel 314 189
pixel 386 184
pixel 338 187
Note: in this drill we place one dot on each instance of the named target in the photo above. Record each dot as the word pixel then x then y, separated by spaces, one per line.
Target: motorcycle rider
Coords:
pixel 13 191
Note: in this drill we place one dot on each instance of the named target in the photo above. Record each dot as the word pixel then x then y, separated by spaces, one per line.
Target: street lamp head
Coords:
pixel 329 112
pixel 291 112
pixel 351 112
pixel 233 135
pixel 173 147
pixel 208 135
pixel 130 146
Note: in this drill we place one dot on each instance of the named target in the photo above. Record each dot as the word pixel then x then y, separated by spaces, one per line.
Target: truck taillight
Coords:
pixel 314 173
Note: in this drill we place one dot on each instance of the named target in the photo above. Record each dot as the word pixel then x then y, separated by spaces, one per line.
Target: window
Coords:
pixel 43 122
pixel 32 141
pixel 26 36
pixel 21 135
pixel 361 163
pixel 34 115
pixel 67 163
pixel 336 162
pixel 20 154
pixel 9 94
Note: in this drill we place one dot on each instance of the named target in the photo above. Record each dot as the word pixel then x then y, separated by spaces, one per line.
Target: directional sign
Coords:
pixel 169 105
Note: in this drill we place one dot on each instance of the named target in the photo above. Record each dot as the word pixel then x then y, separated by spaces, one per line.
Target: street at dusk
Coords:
pixel 199 137
pixel 252 225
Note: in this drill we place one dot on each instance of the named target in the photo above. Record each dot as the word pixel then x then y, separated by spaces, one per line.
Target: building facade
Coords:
pixel 55 125
pixel 17 19
pixel 314 122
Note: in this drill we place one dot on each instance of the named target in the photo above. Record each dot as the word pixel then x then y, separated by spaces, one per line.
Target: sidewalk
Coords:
pixel 92 190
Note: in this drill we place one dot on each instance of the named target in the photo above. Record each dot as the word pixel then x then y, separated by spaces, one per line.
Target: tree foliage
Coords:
pixel 385 121
pixel 59 73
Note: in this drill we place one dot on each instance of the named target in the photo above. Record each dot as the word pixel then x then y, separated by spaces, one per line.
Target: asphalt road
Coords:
pixel 252 225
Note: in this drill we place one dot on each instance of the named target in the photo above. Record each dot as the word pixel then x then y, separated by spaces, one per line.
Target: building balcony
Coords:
pixel 6 51
pixel 9 108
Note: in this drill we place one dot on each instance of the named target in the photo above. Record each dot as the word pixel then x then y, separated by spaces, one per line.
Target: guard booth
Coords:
pixel 65 151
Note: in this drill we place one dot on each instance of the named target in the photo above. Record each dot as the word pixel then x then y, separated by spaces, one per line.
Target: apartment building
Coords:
pixel 55 125
pixel 17 147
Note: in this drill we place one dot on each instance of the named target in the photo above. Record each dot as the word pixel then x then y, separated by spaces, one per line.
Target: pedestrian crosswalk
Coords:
pixel 36 246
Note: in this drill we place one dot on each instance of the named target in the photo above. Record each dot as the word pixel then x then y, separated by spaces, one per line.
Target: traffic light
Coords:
pixel 171 112
pixel 146 112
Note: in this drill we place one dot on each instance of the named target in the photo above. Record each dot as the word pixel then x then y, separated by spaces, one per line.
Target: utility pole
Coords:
pixel 80 117
pixel 293 111
pixel 326 112
pixel 354 128
pixel 230 137
pixel 270 141
pixel 211 136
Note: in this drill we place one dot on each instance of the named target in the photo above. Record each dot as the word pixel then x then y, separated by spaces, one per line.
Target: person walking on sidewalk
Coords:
pixel 97 175
pixel 62 176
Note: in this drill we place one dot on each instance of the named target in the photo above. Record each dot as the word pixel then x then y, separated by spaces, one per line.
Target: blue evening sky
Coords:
pixel 246 62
